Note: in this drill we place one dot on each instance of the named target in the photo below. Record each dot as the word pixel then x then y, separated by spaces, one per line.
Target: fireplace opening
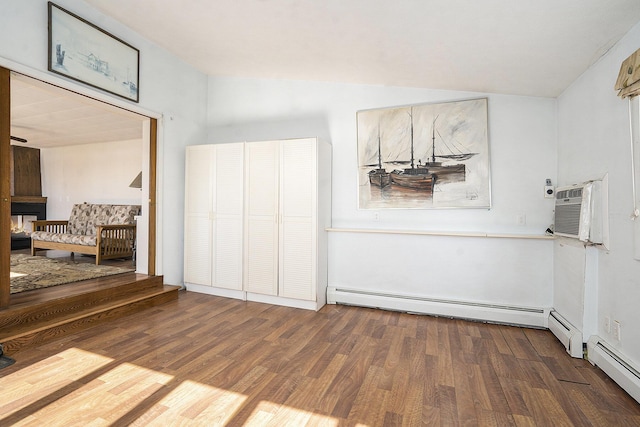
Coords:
pixel 22 216
pixel 22 225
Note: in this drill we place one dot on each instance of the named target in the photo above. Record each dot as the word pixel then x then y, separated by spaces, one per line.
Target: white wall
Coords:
pixel 569 281
pixel 88 173
pixel 593 139
pixel 522 134
pixel 174 91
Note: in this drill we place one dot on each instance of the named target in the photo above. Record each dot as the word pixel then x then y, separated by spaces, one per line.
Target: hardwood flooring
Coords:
pixel 205 360
pixel 55 292
pixel 40 314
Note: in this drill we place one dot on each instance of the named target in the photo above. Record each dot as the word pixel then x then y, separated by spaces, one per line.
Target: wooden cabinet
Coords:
pixel 287 208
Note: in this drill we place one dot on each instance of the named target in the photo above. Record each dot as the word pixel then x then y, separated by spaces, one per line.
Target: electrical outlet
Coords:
pixel 521 219
pixel 376 216
pixel 549 192
pixel 607 324
pixel 616 330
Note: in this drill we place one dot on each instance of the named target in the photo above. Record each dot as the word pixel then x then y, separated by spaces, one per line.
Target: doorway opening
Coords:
pixel 72 130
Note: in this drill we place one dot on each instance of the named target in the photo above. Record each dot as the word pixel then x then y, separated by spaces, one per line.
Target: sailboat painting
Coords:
pixel 424 156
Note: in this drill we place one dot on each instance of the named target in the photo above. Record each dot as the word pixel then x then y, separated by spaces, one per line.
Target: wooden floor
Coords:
pixel 54 292
pixel 68 289
pixel 38 315
pixel 205 360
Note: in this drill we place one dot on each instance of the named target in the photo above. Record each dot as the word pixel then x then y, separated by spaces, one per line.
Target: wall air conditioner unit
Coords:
pixel 582 212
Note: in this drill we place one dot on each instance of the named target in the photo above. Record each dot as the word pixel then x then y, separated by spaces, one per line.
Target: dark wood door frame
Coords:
pixel 5 189
pixel 153 159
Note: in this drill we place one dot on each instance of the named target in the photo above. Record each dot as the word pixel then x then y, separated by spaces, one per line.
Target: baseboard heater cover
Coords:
pixel 567 334
pixel 627 376
pixel 514 315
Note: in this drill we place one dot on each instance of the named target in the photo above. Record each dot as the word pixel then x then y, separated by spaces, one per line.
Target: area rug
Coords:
pixel 36 272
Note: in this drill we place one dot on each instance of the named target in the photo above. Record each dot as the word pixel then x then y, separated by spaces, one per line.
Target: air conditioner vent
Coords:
pixel 568 218
pixel 569 193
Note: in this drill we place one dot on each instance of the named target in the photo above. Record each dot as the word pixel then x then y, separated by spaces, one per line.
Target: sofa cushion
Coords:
pixel 123 214
pixel 79 218
pixel 110 214
pixel 76 239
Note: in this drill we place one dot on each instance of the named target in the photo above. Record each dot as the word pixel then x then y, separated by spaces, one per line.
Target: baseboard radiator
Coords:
pixel 569 335
pixel 627 376
pixel 494 313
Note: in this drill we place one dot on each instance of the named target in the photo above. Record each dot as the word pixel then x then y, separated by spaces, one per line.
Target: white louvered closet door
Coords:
pixel 228 215
pixel 298 248
pixel 198 226
pixel 261 217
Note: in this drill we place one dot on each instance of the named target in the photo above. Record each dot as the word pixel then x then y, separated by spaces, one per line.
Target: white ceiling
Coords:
pixel 533 48
pixel 522 47
pixel 48 116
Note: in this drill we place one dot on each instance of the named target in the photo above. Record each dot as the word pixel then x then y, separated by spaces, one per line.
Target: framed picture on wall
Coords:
pixel 424 156
pixel 83 52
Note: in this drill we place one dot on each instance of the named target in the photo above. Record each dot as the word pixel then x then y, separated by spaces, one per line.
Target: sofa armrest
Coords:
pixel 115 241
pixel 115 230
pixel 116 237
pixel 52 226
pixel 117 226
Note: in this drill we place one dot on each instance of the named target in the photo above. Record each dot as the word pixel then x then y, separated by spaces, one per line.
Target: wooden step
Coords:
pixel 26 323
pixel 26 310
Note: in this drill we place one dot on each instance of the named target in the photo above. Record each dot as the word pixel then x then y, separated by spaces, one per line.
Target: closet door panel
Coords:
pixel 261 217
pixel 297 230
pixel 298 178
pixel 228 215
pixel 297 263
pixel 228 253
pixel 198 179
pixel 262 257
pixel 197 250
pixel 229 176
pixel 198 226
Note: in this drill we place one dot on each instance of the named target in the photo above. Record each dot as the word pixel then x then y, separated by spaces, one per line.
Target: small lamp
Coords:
pixel 137 181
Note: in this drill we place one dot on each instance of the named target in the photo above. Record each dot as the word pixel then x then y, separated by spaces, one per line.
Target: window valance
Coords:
pixel 628 83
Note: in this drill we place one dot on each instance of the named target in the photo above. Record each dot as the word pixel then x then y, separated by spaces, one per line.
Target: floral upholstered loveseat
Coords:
pixel 106 231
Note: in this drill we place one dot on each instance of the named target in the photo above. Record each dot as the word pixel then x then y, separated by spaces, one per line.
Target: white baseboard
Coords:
pixel 249 296
pixel 614 365
pixel 524 316
pixel 567 334
pixel 287 302
pixel 220 292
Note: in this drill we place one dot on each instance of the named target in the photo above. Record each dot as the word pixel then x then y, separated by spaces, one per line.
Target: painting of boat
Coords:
pixel 447 152
pixel 420 178
pixel 379 177
pixel 424 156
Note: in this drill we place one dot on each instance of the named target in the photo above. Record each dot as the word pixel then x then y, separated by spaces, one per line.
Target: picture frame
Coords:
pixel 424 156
pixel 81 51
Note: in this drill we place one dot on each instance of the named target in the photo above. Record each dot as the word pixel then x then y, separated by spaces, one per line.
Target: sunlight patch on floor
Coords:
pixel 112 395
pixel 193 403
pixel 81 386
pixel 272 414
pixel 43 379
